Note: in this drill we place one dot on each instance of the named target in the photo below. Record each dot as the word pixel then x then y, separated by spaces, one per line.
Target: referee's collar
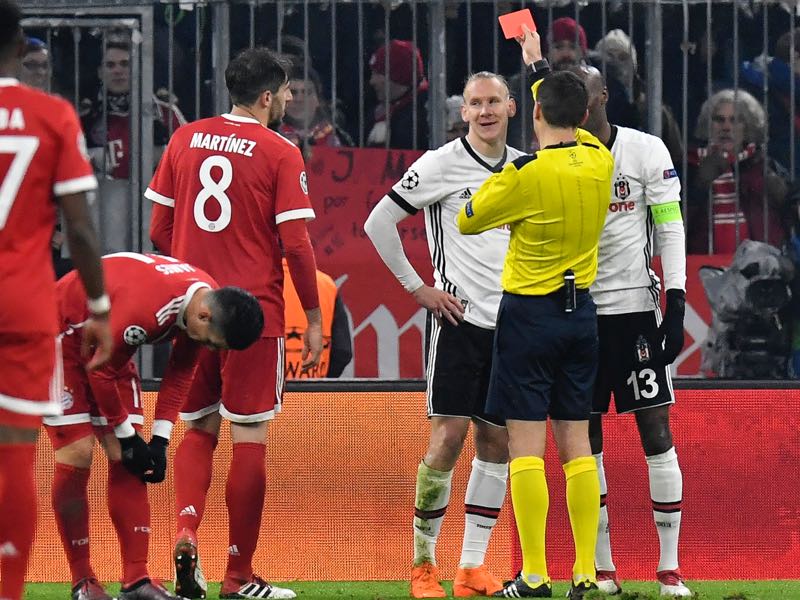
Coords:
pixel 561 145
pixel 471 151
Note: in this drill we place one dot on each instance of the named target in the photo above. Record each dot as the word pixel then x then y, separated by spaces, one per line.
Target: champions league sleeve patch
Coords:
pixel 670 173
pixel 468 209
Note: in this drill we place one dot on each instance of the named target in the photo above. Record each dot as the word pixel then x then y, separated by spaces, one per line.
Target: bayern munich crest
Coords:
pixel 67 400
pixel 134 335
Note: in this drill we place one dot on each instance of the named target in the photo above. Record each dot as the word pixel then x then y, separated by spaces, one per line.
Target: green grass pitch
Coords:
pixel 383 590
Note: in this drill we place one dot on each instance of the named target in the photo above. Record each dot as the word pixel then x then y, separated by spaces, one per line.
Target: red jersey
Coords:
pixel 149 294
pixel 115 125
pixel 231 181
pixel 42 155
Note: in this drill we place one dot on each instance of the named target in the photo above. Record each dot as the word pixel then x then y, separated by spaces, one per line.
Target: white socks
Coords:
pixel 486 491
pixel 666 491
pixel 433 494
pixel 602 551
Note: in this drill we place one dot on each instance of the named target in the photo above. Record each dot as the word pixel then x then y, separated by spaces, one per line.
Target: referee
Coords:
pixel 545 346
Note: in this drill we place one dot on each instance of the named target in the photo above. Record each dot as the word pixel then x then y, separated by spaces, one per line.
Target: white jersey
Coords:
pixel 643 176
pixel 441 181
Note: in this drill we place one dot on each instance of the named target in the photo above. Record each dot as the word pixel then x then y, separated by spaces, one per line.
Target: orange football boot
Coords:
pixel 475 582
pixel 425 582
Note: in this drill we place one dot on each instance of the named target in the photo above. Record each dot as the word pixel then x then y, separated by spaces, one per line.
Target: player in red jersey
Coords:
pixel 230 193
pixel 155 298
pixel 42 159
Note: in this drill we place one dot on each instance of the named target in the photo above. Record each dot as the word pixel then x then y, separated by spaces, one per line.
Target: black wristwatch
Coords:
pixel 539 65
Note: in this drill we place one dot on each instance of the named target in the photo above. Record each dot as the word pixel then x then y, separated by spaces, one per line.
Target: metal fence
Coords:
pixel 662 59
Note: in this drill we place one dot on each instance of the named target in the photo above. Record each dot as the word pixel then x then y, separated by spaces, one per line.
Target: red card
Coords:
pixel 512 22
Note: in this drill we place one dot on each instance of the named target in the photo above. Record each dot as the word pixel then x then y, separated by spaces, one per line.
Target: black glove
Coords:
pixel 158 454
pixel 136 455
pixel 670 333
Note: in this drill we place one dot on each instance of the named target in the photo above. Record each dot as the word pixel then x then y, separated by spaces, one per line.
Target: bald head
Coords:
pixel 595 83
pixel 591 77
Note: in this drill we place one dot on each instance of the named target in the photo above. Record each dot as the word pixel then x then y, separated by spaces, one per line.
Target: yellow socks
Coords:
pixel 531 501
pixel 583 502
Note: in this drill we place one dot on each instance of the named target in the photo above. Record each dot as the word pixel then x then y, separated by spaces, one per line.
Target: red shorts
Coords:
pixel 245 386
pixel 30 377
pixel 81 416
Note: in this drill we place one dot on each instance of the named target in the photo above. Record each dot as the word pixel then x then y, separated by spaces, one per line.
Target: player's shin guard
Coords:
pixel 583 504
pixel 531 503
pixel 193 466
pixel 17 516
pixel 602 551
pixel 129 509
pixel 430 504
pixel 71 507
pixel 244 495
pixel 666 491
pixel 486 491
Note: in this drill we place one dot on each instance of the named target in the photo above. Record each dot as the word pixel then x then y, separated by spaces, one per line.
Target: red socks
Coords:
pixel 244 495
pixel 130 512
pixel 17 516
pixel 193 463
pixel 71 506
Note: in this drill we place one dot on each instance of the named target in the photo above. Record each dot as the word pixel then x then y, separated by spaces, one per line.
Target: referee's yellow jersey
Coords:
pixel 555 202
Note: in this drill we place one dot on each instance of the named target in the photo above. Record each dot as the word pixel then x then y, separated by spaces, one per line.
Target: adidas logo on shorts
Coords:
pixel 188 511
pixel 233 550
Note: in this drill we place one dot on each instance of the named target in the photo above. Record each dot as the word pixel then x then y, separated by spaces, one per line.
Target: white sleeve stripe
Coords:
pixel 153 195
pixel 73 186
pixel 22 406
pixel 293 215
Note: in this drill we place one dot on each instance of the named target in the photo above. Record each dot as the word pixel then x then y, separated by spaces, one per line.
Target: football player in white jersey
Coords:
pixel 463 301
pixel 636 345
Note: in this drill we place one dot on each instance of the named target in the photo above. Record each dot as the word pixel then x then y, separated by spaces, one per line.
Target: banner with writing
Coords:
pixel 387 325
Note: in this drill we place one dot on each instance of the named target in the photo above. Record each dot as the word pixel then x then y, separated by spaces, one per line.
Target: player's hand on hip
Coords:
pixel 158 455
pixel 312 346
pixel 531 45
pixel 97 341
pixel 440 303
pixel 671 328
pixel 136 455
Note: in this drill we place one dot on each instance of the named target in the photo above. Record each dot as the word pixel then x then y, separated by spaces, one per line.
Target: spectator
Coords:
pixel 113 119
pixel 703 60
pixel 394 115
pixel 779 71
pixel 566 43
pixel 732 125
pixel 337 343
pixel 36 66
pixel 617 52
pixel 106 123
pixel 456 126
pixel 309 120
pixel 627 101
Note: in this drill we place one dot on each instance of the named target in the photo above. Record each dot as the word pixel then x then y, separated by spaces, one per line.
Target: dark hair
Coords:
pixel 118 45
pixel 563 98
pixel 237 315
pixel 297 73
pixel 10 16
pixel 253 72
